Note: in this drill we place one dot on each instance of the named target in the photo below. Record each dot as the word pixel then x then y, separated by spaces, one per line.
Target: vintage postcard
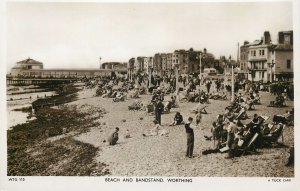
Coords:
pixel 149 95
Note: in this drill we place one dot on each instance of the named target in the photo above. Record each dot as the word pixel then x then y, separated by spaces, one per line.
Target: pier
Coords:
pixel 36 81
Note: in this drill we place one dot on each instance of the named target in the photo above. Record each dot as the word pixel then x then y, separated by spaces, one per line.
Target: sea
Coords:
pixel 18 97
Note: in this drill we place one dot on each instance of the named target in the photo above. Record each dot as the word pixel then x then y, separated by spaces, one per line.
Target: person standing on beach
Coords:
pixel 198 118
pixel 114 137
pixel 159 108
pixel 190 138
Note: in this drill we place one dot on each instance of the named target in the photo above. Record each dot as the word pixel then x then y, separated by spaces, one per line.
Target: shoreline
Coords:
pixel 45 146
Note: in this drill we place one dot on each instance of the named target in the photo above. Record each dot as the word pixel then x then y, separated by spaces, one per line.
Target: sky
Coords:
pixel 76 35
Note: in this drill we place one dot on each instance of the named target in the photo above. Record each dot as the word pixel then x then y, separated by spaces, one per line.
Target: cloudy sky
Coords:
pixel 65 35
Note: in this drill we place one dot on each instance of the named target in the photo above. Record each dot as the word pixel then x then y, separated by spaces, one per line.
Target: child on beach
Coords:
pixel 127 134
pixel 198 118
pixel 114 137
pixel 178 119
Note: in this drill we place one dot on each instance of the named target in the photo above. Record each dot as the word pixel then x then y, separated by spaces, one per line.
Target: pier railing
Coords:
pixel 38 81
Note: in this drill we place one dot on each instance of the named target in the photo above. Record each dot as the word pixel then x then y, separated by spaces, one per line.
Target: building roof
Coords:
pixel 254 43
pixel 260 46
pixel 29 61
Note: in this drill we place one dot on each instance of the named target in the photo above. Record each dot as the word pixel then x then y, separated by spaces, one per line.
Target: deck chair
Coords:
pixel 250 144
pixel 242 114
pixel 203 109
pixel 274 136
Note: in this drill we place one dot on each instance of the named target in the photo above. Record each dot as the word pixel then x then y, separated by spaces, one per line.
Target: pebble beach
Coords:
pixel 165 155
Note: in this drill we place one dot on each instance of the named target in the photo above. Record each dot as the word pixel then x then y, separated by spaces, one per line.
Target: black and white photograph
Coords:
pixel 150 92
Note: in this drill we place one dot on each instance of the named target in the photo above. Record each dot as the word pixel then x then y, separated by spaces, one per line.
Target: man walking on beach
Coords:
pixel 159 108
pixel 190 138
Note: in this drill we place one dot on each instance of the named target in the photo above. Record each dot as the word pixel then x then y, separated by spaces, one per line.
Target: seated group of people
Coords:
pixel 286 118
pixel 158 95
pixel 279 101
pixel 218 96
pixel 197 96
pixel 232 135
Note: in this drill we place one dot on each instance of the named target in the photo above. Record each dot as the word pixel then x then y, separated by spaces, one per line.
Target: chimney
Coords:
pixel 204 50
pixel 280 38
pixel 267 37
pixel 246 42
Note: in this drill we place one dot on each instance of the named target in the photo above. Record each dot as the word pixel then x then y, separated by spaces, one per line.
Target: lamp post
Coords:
pixel 200 65
pixel 232 80
pixel 150 74
pixel 176 77
pixel 100 62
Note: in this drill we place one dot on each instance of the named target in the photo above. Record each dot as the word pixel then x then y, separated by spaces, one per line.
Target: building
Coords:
pixel 258 58
pixel 114 65
pixel 164 69
pixel 27 64
pixel 282 56
pixel 244 52
pixel 162 64
pixel 34 69
pixel 157 64
pixel 148 64
pixel 269 62
pixel 169 67
pixel 180 60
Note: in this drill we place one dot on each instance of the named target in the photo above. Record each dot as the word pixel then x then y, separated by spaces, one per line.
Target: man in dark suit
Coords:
pixel 159 108
pixel 190 138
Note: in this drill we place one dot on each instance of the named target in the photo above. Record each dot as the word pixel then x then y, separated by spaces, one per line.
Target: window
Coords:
pixel 288 64
pixel 254 53
pixel 263 52
pixel 287 39
pixel 259 52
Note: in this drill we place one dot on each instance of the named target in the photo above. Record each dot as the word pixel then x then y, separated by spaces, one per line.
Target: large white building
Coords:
pixel 269 62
